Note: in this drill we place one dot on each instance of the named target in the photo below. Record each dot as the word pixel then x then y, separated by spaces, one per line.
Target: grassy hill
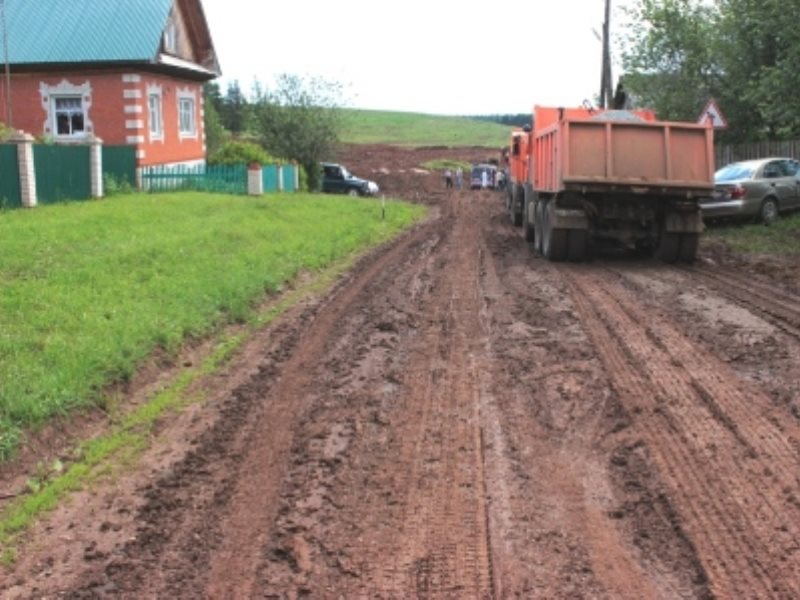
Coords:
pixel 417 129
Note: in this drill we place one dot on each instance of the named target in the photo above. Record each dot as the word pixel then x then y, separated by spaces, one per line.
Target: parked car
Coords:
pixel 336 179
pixel 476 177
pixel 754 189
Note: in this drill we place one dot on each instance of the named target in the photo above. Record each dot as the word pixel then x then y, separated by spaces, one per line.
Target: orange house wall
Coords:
pixel 108 115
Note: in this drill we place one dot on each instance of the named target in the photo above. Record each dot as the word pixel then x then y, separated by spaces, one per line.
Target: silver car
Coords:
pixel 755 189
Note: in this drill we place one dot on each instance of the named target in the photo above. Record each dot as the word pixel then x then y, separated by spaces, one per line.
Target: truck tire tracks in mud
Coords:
pixel 462 419
pixel 733 474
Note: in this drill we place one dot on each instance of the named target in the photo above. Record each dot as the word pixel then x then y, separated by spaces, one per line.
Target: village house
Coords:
pixel 127 72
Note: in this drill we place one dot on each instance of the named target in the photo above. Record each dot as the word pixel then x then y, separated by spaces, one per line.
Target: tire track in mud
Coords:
pixel 442 546
pixel 733 472
pixel 777 306
pixel 565 487
pixel 398 509
pixel 233 571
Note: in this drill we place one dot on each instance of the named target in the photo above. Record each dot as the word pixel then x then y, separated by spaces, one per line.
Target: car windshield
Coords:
pixel 733 172
pixel 345 173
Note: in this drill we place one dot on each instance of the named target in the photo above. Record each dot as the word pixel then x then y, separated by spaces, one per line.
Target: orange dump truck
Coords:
pixel 585 176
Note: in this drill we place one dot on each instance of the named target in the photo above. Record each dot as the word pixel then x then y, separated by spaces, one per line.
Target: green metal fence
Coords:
pixel 288 178
pixel 218 178
pixel 119 166
pixel 10 195
pixel 62 173
pixel 269 177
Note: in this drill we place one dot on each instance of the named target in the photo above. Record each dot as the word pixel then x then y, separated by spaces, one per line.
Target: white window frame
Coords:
pixel 50 94
pixel 74 109
pixel 187 98
pixel 171 37
pixel 155 114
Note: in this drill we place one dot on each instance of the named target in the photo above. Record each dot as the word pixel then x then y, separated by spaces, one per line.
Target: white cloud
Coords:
pixel 419 55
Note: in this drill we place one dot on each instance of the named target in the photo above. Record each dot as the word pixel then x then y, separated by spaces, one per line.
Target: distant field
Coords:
pixel 416 129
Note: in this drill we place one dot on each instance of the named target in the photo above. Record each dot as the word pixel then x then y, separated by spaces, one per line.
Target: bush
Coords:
pixel 237 153
pixel 114 186
pixel 303 179
pixel 5 131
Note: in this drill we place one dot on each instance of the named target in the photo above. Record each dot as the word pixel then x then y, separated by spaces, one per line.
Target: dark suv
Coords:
pixel 338 180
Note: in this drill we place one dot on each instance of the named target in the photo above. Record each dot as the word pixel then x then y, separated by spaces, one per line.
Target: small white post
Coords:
pixel 280 178
pixel 96 166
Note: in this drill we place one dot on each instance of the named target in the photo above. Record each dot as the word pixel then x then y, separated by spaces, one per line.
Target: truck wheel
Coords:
pixel 527 212
pixel 537 226
pixel 512 193
pixel 668 247
pixel 577 244
pixel 688 247
pixel 352 192
pixel 516 205
pixel 554 241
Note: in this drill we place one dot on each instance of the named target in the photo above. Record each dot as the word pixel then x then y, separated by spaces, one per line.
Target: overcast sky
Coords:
pixel 431 56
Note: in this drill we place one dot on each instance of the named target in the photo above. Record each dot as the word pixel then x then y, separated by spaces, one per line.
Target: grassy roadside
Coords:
pixel 782 238
pixel 132 435
pixel 415 129
pixel 89 290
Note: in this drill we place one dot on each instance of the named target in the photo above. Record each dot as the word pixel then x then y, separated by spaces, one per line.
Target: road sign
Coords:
pixel 713 114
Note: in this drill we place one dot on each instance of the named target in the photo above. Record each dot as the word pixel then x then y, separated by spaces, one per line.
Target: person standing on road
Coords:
pixel 484 179
pixel 448 178
pixel 459 178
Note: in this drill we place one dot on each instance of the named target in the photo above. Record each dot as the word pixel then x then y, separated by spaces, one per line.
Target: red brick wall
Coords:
pixel 108 115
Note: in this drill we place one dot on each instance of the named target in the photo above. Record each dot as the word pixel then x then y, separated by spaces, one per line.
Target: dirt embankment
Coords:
pixel 461 419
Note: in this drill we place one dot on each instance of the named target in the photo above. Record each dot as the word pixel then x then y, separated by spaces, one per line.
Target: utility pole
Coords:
pixel 606 93
pixel 9 117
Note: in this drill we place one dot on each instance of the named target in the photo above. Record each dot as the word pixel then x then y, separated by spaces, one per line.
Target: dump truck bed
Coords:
pixel 641 156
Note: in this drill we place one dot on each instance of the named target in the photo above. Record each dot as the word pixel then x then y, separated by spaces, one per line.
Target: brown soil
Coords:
pixel 461 419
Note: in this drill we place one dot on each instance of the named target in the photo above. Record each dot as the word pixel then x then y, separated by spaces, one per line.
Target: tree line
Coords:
pixel 743 53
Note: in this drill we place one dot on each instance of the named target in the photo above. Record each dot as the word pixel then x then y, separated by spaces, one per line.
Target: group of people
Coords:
pixel 459 178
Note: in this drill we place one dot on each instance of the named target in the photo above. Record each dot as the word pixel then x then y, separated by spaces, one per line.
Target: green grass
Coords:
pixel 416 129
pixel 89 290
pixel 442 164
pixel 126 440
pixel 781 238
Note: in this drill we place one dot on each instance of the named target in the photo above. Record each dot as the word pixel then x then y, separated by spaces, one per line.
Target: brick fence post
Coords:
pixel 27 173
pixel 96 166
pixel 255 181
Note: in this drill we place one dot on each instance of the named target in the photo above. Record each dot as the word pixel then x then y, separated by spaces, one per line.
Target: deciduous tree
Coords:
pixel 299 119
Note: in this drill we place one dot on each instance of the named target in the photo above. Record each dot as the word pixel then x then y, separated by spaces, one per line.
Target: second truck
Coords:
pixel 583 176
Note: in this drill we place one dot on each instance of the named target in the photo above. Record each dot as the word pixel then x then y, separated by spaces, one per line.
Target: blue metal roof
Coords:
pixel 75 31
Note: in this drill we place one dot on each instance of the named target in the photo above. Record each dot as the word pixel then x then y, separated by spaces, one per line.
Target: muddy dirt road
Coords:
pixel 461 419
